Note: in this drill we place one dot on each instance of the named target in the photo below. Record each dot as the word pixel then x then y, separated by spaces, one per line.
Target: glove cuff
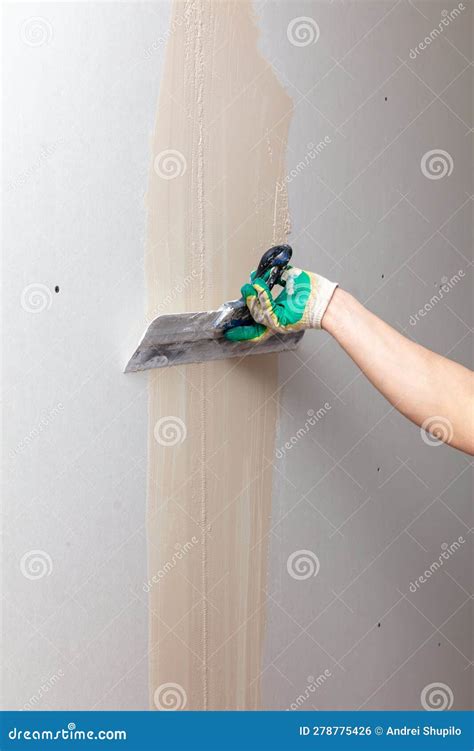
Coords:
pixel 321 294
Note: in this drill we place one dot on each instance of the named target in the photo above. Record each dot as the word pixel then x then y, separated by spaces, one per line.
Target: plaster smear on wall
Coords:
pixel 218 155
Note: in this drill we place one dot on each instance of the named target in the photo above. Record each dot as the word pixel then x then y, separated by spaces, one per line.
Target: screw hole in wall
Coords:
pixel 383 276
pixel 56 289
pixel 386 98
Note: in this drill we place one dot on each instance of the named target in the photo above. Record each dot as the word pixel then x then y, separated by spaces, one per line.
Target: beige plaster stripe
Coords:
pixel 225 116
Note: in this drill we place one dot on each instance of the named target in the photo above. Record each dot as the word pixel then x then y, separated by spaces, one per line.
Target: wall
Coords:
pixel 81 82
pixel 360 489
pixel 222 124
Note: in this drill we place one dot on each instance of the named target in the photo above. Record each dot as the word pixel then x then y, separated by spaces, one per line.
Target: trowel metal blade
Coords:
pixel 199 337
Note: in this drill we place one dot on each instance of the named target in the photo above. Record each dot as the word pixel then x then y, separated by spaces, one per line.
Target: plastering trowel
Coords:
pixel 199 337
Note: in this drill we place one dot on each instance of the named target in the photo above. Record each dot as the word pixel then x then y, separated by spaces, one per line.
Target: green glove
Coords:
pixel 301 305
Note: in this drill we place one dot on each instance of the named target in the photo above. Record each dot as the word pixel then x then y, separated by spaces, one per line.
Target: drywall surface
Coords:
pixel 214 207
pixel 380 194
pixel 80 83
pixel 370 501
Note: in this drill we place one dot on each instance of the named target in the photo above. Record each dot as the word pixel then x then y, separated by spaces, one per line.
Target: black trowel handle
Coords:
pixel 275 260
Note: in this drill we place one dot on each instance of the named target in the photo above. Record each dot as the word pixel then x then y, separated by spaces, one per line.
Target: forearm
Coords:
pixel 419 383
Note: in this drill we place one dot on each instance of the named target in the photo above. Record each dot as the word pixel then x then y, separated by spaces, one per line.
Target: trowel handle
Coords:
pixel 276 259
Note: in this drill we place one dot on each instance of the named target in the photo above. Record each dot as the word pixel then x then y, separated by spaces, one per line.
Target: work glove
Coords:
pixel 301 305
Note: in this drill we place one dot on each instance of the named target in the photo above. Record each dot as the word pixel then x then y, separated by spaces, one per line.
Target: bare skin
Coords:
pixel 419 383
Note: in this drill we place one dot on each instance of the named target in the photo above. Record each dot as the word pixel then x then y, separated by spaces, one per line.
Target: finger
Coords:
pixel 248 291
pixel 265 308
pixel 255 332
pixel 290 271
pixel 284 275
pixel 256 311
pixel 250 295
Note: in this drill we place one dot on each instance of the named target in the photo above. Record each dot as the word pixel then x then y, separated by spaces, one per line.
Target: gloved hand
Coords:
pixel 301 305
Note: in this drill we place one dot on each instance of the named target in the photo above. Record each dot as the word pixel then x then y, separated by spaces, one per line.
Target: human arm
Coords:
pixel 432 391
pixel 427 388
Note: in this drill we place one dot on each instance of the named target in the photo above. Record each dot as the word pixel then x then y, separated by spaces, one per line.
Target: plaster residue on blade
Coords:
pixel 218 155
pixel 196 338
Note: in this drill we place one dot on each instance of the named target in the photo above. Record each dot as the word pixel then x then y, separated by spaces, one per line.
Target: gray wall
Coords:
pixel 360 489
pixel 80 87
